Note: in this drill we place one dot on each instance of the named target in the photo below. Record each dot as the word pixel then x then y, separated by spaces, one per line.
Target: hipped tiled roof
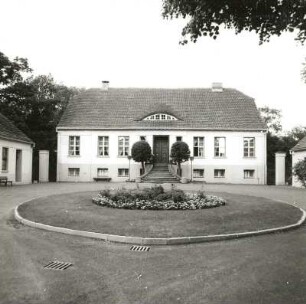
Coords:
pixel 194 108
pixel 9 131
pixel 300 146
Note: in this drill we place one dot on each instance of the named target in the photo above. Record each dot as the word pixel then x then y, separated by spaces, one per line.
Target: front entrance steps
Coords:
pixel 160 174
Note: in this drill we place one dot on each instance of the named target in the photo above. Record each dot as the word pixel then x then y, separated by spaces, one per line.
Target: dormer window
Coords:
pixel 160 116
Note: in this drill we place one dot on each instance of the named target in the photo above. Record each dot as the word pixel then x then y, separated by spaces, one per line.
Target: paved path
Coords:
pixel 266 269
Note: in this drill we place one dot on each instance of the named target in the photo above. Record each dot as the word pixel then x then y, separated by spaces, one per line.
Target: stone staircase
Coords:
pixel 159 175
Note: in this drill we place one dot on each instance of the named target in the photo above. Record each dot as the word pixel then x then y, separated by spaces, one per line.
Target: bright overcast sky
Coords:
pixel 128 43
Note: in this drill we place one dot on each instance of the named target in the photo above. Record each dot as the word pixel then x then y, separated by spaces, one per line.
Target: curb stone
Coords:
pixel 156 241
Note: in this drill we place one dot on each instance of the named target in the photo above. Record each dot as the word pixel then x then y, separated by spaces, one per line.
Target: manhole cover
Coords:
pixel 139 248
pixel 57 265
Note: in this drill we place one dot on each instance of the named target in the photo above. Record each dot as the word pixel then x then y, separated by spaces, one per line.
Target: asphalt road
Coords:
pixel 266 269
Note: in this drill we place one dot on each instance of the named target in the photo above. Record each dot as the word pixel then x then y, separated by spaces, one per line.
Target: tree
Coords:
pixel 141 152
pixel 297 133
pixel 265 17
pixel 272 118
pixel 179 153
pixel 299 170
pixel 12 71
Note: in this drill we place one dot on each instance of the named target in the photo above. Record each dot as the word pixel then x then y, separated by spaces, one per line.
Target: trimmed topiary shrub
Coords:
pixel 157 199
pixel 179 153
pixel 299 171
pixel 141 152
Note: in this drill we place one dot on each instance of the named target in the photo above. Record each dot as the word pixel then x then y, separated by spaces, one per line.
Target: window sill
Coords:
pixel 199 157
pixel 74 156
pixel 249 157
pixel 102 156
pixel 120 156
pixel 219 176
pixel 220 157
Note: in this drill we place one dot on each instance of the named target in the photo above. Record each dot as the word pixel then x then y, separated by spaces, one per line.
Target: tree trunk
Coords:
pixel 143 168
pixel 179 169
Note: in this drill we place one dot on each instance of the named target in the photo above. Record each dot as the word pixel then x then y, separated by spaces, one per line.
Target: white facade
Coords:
pixel 238 168
pixel 296 157
pixel 16 161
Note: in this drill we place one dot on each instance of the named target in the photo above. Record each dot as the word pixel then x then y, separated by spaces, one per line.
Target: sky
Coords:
pixel 127 42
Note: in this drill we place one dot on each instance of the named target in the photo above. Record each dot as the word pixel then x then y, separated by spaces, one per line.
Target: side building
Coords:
pixel 298 153
pixel 16 153
pixel 222 127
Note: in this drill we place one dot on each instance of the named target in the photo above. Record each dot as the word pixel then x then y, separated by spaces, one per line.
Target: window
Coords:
pixel 102 172
pixel 74 145
pixel 5 154
pixel 73 171
pixel 249 173
pixel 160 116
pixel 143 138
pixel 123 145
pixel 198 173
pixel 249 146
pixel 179 138
pixel 198 146
pixel 219 173
pixel 103 146
pixel 123 172
pixel 219 146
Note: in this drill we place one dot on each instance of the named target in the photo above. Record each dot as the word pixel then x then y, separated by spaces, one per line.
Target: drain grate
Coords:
pixel 139 248
pixel 57 265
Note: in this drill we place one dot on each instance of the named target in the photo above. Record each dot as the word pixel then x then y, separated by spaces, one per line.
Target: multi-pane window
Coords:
pixel 160 116
pixel 73 171
pixel 123 146
pixel 249 173
pixel 123 172
pixel 142 138
pixel 219 173
pixel 198 173
pixel 249 146
pixel 5 153
pixel 178 138
pixel 198 146
pixel 102 172
pixel 220 146
pixel 74 145
pixel 103 146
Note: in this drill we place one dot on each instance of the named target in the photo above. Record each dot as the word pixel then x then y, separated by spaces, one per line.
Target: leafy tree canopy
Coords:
pixel 179 153
pixel 265 17
pixel 272 118
pixel 12 71
pixel 141 152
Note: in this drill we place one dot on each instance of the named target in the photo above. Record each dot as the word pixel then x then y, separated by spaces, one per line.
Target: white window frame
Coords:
pixel 219 147
pixel 197 147
pixel 198 173
pixel 100 172
pixel 125 147
pixel 76 172
pixel 74 148
pixel 103 146
pixel 160 116
pixel 217 171
pixel 248 149
pixel 125 170
pixel 247 175
pixel 5 161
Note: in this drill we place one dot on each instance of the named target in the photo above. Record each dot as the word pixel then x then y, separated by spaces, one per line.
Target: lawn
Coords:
pixel 241 213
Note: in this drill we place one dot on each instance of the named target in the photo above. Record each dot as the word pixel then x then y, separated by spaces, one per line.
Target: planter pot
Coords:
pixel 184 180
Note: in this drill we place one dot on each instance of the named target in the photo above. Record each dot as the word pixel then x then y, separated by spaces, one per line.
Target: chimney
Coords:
pixel 217 87
pixel 105 85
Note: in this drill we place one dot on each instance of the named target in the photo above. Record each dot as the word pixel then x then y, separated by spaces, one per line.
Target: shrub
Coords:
pixel 179 153
pixel 156 199
pixel 141 152
pixel 299 171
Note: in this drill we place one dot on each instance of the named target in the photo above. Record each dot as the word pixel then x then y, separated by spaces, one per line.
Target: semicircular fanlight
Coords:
pixel 160 116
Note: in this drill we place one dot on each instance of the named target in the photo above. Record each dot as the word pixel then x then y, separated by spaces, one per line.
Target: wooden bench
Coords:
pixel 5 181
pixel 102 179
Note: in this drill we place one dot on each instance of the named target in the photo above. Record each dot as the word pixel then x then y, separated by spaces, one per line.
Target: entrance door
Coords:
pixel 18 172
pixel 161 149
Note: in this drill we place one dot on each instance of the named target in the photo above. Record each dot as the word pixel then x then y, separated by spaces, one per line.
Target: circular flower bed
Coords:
pixel 156 199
